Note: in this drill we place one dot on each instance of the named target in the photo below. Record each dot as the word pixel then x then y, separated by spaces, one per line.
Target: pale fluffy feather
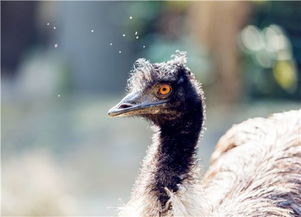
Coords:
pixel 255 171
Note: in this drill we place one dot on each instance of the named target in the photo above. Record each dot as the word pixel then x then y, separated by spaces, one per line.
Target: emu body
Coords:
pixel 254 171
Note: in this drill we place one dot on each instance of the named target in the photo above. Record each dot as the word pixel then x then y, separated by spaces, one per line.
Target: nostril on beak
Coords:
pixel 124 106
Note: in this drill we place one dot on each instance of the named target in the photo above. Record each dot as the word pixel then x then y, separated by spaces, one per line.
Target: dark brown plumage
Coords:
pixel 255 169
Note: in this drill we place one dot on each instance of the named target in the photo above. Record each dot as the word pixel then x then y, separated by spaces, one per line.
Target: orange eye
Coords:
pixel 164 89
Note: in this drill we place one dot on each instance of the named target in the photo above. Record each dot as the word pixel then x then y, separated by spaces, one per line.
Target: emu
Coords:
pixel 255 169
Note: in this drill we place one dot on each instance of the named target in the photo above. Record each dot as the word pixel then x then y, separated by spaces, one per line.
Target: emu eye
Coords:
pixel 164 89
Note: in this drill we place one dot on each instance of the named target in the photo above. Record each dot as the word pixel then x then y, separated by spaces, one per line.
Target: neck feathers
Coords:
pixel 170 165
pixel 176 154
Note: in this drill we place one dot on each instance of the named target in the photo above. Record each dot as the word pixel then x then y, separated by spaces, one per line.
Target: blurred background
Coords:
pixel 64 64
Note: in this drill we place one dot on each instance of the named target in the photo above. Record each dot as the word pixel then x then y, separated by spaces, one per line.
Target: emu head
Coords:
pixel 160 92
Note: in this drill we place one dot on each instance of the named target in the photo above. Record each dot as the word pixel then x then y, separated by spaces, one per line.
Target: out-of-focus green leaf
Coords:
pixel 285 75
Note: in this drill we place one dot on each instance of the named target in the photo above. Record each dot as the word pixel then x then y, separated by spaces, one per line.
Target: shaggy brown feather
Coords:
pixel 256 168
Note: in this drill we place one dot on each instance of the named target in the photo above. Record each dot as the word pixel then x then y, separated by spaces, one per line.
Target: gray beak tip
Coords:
pixel 120 108
pixel 111 112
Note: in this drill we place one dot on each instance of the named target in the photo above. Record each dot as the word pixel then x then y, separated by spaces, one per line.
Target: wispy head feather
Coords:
pixel 145 73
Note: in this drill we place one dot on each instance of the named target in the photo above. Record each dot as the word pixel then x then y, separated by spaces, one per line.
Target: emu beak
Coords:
pixel 132 104
pixel 126 105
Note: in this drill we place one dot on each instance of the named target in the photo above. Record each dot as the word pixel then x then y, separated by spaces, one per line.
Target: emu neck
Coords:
pixel 176 153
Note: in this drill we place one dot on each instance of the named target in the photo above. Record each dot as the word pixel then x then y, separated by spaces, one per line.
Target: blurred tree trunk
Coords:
pixel 18 33
pixel 217 25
